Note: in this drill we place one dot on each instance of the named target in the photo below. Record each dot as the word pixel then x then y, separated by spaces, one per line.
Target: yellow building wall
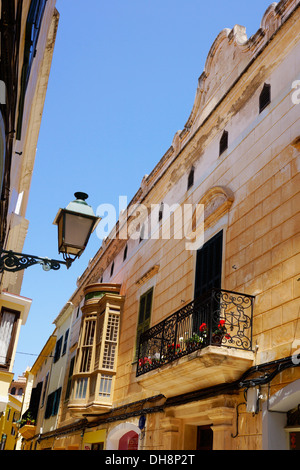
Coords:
pixel 11 415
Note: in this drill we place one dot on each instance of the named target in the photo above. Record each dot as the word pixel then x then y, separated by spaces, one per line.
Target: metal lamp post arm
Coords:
pixel 13 262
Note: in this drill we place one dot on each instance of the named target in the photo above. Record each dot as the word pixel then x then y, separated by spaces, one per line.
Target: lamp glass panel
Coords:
pixel 77 230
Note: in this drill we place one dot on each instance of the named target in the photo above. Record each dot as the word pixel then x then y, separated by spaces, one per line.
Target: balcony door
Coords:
pixel 209 266
pixel 208 276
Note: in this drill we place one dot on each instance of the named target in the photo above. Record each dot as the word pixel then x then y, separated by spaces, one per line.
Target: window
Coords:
pixel 45 389
pixel 191 178
pixel 112 268
pixel 34 22
pixel 87 344
pixel 65 343
pixel 209 265
pixel 69 383
pixel 111 339
pixel 265 97
pixel 58 349
pixel 32 411
pixel 8 325
pixel 125 253
pixel 223 142
pixel 161 212
pixel 81 386
pixel 33 26
pixel 105 385
pixel 144 315
pixel 14 420
pixel 142 233
pixel 53 403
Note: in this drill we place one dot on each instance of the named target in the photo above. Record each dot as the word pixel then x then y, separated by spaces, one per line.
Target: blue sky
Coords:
pixel 122 83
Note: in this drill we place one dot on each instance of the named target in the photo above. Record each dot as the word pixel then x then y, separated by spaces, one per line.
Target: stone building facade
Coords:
pixel 185 330
pixel 28 32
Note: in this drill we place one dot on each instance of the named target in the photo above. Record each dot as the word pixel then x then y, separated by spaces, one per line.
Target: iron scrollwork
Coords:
pixel 14 262
pixel 220 318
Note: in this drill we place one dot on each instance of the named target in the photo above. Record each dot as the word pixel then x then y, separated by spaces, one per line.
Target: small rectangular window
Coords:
pixel 223 142
pixel 191 178
pixel 265 97
pixel 125 253
pixel 65 343
pixel 161 212
pixel 69 384
pixel 58 349
pixel 53 403
pixel 45 389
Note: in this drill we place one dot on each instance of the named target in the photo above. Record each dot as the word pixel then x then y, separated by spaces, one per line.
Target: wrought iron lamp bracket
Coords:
pixel 14 262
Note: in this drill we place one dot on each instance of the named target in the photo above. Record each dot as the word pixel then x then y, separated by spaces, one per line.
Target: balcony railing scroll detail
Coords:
pixel 220 318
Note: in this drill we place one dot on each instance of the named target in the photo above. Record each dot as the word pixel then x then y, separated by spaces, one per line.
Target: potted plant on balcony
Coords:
pixel 28 421
pixel 145 362
pixel 219 334
pixel 203 333
pixel 192 341
pixel 173 350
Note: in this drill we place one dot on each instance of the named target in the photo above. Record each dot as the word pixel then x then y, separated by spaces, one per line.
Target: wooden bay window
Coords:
pixel 96 357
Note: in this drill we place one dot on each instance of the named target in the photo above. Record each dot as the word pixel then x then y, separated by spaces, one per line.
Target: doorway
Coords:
pixel 204 438
pixel 130 441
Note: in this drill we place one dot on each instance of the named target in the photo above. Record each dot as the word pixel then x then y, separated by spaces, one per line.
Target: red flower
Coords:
pixel 221 323
pixel 202 327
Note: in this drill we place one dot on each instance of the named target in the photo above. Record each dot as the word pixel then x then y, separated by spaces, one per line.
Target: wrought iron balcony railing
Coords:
pixel 221 318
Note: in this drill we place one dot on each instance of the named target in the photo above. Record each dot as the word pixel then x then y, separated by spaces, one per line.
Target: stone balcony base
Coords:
pixel 204 368
pixel 27 431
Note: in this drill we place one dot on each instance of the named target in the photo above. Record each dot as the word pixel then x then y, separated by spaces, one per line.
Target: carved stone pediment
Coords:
pixel 216 201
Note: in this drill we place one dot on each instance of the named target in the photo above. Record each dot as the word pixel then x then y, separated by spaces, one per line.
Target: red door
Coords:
pixel 130 441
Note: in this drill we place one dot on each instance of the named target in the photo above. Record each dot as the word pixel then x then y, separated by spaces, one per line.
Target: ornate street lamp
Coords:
pixel 75 225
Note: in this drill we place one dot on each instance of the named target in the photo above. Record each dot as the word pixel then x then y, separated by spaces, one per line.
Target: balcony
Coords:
pixel 205 343
pixel 27 431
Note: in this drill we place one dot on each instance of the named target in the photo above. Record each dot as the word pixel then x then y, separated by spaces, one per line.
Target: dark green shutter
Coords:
pixel 144 316
pixel 209 265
